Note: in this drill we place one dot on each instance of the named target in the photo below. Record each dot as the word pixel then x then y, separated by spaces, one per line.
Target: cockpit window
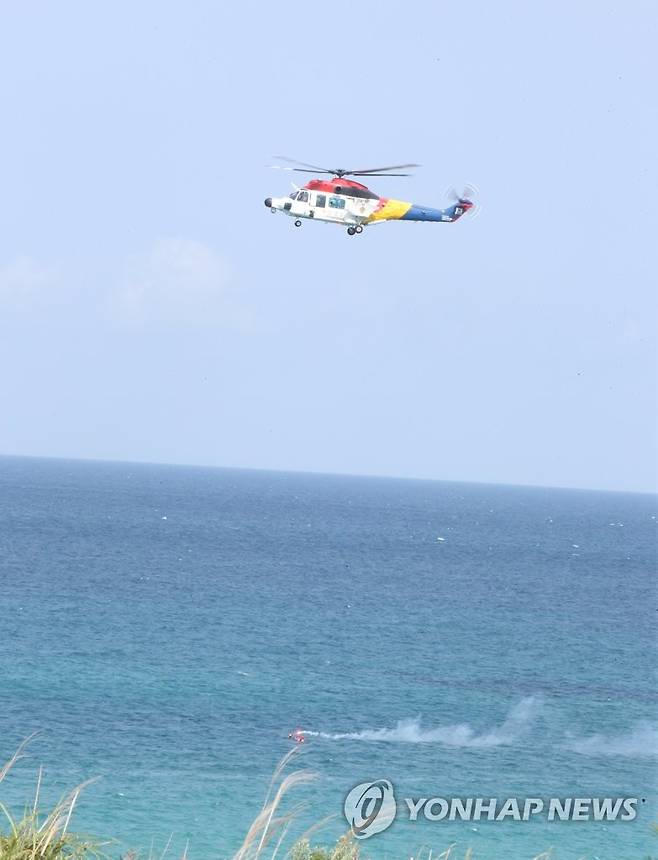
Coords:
pixel 293 196
pixel 302 197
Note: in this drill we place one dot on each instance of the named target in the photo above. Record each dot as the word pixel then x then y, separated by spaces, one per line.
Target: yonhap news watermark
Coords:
pixel 371 807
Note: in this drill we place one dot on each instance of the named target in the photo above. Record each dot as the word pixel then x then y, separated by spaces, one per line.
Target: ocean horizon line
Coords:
pixel 318 473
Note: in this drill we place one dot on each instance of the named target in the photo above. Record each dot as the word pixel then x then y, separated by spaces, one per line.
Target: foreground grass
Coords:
pixel 39 836
pixel 46 836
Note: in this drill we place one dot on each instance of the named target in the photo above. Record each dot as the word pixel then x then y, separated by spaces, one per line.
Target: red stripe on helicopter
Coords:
pixel 331 185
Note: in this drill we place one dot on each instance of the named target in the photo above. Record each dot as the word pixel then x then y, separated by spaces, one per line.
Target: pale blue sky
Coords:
pixel 151 308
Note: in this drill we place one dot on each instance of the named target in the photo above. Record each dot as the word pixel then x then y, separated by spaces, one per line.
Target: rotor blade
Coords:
pixel 302 163
pixel 380 169
pixel 377 174
pixel 468 192
pixel 299 169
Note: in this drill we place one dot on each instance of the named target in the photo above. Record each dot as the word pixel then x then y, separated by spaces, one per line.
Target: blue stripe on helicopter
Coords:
pixel 426 213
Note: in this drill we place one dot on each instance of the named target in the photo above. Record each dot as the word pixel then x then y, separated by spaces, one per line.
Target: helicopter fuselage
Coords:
pixel 343 201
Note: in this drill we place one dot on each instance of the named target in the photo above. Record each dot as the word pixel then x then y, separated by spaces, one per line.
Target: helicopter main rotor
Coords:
pixel 339 172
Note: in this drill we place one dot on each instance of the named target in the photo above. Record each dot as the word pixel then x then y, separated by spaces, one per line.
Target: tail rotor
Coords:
pixel 468 196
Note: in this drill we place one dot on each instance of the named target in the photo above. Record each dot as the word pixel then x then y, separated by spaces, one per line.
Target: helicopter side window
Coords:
pixel 302 197
pixel 337 202
pixel 320 200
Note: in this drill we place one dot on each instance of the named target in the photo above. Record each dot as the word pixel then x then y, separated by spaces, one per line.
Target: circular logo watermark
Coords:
pixel 370 807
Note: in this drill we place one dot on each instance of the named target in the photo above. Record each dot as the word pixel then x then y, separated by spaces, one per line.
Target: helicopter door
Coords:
pixel 336 207
pixel 300 205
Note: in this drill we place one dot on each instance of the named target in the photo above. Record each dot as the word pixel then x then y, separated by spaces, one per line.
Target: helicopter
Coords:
pixel 336 199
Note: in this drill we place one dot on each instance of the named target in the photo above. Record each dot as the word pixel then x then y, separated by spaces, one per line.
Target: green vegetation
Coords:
pixel 344 849
pixel 43 837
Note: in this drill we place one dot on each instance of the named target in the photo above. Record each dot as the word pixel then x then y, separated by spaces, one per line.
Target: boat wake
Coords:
pixel 640 742
pixel 410 731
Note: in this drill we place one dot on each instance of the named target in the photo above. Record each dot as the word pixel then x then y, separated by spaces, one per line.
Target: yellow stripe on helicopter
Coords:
pixel 390 211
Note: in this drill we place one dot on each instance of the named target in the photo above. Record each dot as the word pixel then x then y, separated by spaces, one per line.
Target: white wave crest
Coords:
pixel 410 731
pixel 640 742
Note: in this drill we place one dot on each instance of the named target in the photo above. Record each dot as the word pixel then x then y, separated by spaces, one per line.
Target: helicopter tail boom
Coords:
pixel 399 210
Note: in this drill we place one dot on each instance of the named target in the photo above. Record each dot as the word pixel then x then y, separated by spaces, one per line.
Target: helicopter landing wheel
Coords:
pixel 359 229
pixel 351 231
pixel 298 223
pixel 273 210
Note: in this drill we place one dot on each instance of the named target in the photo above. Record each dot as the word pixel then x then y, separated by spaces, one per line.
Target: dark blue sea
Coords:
pixel 163 628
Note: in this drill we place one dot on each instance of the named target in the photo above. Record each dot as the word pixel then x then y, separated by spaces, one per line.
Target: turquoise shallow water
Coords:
pixel 165 627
